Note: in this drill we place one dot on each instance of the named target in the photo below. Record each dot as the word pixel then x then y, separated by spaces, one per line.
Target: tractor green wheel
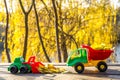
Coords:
pixel 14 69
pixel 23 69
pixel 79 68
pixel 102 66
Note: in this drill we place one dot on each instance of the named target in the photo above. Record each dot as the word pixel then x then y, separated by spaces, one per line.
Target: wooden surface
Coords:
pixel 90 73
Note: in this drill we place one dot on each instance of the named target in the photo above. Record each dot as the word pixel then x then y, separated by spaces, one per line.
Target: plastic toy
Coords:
pixel 17 65
pixel 24 67
pixel 86 57
pixel 34 65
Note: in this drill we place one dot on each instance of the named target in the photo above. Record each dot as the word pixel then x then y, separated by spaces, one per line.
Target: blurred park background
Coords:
pixel 50 29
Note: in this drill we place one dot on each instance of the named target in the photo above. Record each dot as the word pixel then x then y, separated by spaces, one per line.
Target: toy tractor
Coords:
pixel 34 65
pixel 17 65
pixel 86 57
pixel 24 67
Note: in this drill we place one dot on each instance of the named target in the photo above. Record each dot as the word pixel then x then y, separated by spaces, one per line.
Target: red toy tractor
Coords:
pixel 24 67
pixel 34 65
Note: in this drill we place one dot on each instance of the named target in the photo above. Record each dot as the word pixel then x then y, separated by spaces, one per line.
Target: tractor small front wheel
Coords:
pixel 79 68
pixel 102 66
pixel 14 69
pixel 23 69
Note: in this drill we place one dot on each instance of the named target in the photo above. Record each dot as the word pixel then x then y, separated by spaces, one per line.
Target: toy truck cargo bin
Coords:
pixel 24 67
pixel 86 57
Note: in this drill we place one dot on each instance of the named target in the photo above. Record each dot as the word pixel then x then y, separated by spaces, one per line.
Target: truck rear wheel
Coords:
pixel 102 66
pixel 23 69
pixel 14 69
pixel 79 68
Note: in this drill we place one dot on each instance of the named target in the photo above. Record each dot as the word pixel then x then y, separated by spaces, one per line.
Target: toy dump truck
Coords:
pixel 86 57
pixel 24 67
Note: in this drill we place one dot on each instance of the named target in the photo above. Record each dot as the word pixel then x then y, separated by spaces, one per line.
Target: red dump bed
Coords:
pixel 97 54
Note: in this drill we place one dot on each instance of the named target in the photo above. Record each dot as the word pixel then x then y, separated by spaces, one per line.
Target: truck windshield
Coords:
pixel 78 52
pixel 75 52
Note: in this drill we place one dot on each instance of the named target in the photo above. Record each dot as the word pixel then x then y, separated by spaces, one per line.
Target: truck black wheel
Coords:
pixel 14 69
pixel 23 69
pixel 102 66
pixel 79 68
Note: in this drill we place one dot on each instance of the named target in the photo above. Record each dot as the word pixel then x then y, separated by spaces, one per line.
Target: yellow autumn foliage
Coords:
pixel 91 25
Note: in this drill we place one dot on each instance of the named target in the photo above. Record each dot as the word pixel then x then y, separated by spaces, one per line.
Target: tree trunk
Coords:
pixel 26 26
pixel 63 38
pixel 6 31
pixel 26 37
pixel 63 48
pixel 56 28
pixel 40 36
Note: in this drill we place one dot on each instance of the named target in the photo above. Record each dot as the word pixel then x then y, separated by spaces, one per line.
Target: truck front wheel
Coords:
pixel 14 69
pixel 23 69
pixel 79 68
pixel 102 66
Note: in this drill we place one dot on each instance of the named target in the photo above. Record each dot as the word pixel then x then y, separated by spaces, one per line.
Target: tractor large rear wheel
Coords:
pixel 14 69
pixel 23 69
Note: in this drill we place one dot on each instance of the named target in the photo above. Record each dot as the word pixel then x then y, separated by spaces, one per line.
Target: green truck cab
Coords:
pixel 77 56
pixel 77 59
pixel 18 65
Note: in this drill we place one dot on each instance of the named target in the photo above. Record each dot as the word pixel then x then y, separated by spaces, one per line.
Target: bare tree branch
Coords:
pixel 70 36
pixel 45 6
pixel 39 33
pixel 23 9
